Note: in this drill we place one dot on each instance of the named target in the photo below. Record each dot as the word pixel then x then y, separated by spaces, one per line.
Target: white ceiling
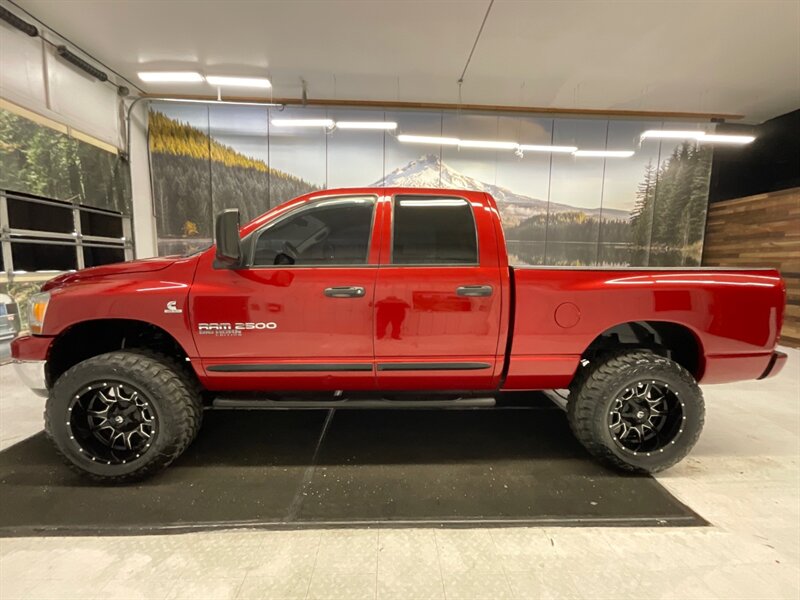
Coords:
pixel 704 56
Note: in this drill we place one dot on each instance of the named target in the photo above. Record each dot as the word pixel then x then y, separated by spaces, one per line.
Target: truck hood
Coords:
pixel 145 265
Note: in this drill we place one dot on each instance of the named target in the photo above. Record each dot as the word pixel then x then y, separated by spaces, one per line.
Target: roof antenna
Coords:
pixel 305 91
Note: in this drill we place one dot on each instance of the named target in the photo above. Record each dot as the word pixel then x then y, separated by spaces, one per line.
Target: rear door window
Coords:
pixel 428 230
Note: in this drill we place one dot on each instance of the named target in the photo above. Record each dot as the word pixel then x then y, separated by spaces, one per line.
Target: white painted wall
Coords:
pixel 144 224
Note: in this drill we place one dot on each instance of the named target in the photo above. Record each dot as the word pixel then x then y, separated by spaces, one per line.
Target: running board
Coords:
pixel 380 403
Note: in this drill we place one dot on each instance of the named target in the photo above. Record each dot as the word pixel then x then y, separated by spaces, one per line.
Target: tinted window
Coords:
pixel 38 216
pixel 30 256
pixel 333 232
pixel 94 256
pixel 101 225
pixel 433 231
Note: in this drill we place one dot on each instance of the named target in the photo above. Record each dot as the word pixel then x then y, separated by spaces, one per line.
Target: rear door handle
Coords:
pixel 348 291
pixel 474 290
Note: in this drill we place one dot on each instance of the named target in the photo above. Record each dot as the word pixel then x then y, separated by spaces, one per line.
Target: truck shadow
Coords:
pixel 295 438
pixel 375 437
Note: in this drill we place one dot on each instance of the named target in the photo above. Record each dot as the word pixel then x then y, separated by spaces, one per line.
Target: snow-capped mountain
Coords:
pixel 429 171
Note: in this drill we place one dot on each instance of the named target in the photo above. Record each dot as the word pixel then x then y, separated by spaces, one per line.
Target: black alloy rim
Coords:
pixel 112 422
pixel 646 417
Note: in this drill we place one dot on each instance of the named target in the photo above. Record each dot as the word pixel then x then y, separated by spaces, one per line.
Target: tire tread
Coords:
pixel 585 404
pixel 176 385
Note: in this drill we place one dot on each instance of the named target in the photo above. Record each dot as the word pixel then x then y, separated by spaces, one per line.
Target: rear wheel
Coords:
pixel 636 410
pixel 122 416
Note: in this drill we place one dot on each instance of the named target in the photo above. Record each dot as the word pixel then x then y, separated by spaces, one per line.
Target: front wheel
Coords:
pixel 122 416
pixel 636 410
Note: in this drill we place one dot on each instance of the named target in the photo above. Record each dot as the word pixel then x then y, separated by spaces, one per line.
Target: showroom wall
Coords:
pixel 760 231
pixel 771 163
pixel 754 210
pixel 62 176
pixel 557 209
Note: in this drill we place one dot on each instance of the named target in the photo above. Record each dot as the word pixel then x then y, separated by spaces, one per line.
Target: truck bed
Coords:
pixel 732 316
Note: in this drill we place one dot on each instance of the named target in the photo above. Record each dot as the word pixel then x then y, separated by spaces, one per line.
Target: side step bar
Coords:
pixel 379 403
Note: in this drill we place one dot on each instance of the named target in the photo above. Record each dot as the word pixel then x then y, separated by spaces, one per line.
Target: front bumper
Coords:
pixel 32 374
pixel 30 360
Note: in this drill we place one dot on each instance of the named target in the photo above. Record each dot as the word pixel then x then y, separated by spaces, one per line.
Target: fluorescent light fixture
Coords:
pixel 604 153
pixel 487 144
pixel 726 139
pixel 170 76
pixel 535 148
pixel 366 125
pixel 700 136
pixel 448 141
pixel 672 134
pixel 302 122
pixel 251 82
pixel 428 139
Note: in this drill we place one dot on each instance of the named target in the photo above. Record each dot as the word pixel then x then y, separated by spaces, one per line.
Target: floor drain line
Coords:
pixel 297 501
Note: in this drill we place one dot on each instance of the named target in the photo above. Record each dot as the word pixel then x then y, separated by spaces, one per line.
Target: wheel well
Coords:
pixel 672 340
pixel 91 338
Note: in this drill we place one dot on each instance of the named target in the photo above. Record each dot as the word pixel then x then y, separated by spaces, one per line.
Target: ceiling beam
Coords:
pixel 491 108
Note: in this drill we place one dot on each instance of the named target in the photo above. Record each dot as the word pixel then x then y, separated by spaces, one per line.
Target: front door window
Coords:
pixel 326 233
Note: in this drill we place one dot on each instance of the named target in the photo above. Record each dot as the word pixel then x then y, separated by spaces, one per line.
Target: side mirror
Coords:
pixel 229 246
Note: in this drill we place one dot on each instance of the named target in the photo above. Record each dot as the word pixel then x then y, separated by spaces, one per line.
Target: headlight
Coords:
pixel 36 311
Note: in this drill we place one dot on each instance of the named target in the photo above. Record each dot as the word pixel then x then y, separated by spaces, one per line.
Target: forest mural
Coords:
pixel 668 220
pixel 35 159
pixel 188 165
pixel 556 209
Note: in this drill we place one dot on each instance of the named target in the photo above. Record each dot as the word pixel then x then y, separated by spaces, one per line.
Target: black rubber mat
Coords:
pixel 344 468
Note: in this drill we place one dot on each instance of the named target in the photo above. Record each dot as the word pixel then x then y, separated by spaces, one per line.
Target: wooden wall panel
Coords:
pixel 760 231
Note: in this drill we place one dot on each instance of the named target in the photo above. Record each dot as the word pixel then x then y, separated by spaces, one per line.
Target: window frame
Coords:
pixel 396 199
pixel 251 240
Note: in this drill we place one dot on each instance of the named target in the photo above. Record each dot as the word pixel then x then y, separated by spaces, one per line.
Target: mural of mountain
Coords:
pixel 430 171
pixel 195 175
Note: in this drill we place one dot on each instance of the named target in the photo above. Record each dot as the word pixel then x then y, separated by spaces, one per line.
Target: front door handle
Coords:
pixel 348 291
pixel 474 290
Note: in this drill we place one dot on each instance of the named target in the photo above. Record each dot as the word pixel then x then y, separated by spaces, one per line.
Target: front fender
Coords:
pixel 158 298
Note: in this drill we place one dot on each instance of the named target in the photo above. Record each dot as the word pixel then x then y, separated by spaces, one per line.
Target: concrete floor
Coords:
pixel 743 476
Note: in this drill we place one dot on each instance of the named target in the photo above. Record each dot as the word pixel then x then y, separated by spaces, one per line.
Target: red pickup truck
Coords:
pixel 375 297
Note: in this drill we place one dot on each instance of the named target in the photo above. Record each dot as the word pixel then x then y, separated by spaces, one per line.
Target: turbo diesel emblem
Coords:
pixel 233 329
pixel 172 307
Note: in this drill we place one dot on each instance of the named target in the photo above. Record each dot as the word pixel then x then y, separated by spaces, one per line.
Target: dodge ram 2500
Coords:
pixel 385 297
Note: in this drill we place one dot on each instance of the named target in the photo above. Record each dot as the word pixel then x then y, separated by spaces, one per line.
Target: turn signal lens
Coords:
pixel 36 311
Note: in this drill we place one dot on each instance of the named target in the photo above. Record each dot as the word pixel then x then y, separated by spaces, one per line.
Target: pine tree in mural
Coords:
pixel 669 215
pixel 698 201
pixel 642 215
